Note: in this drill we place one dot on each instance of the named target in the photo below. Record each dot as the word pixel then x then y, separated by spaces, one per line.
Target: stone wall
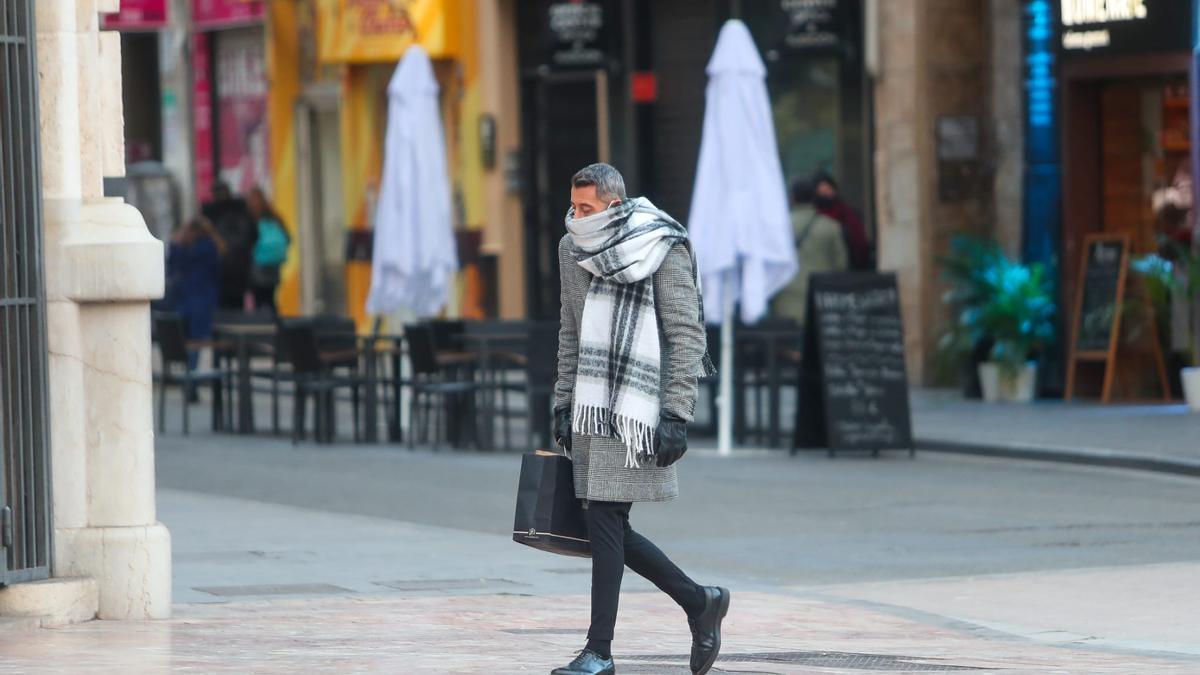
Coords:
pixel 102 268
pixel 942 58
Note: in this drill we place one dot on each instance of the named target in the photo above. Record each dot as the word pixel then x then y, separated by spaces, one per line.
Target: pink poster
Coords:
pixel 202 140
pixel 138 15
pixel 222 13
pixel 241 108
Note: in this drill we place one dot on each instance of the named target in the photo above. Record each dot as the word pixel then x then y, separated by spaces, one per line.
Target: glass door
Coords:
pixel 566 127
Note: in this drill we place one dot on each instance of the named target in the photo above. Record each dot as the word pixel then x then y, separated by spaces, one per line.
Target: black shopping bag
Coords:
pixel 549 517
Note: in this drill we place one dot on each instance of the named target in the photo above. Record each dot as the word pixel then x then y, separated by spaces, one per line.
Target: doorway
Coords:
pixel 322 230
pixel 567 127
pixel 1125 141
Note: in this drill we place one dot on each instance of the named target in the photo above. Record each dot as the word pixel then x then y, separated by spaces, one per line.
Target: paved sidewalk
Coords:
pixel 501 634
pixel 1163 437
pixel 281 589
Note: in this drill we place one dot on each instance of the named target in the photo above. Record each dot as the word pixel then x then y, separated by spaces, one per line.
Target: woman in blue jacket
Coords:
pixel 194 278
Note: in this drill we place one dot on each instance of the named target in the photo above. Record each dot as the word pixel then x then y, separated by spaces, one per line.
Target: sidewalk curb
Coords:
pixel 1066 455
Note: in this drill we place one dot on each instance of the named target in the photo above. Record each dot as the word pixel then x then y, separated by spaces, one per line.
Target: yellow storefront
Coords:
pixel 328 66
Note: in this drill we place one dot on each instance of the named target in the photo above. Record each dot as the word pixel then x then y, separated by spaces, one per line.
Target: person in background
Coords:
pixel 819 248
pixel 233 222
pixel 270 250
pixel 829 202
pixel 194 277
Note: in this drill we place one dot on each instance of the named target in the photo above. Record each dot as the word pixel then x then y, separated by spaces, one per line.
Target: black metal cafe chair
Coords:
pixel 314 378
pixel 173 347
pixel 432 386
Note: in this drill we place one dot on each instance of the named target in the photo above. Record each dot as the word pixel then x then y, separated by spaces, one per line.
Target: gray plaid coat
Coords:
pixel 599 462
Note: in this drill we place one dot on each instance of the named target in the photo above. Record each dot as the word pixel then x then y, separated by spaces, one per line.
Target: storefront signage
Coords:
pixel 241 109
pixel 958 157
pixel 578 34
pixel 1042 181
pixel 138 15
pixel 378 31
pixel 1124 26
pixel 207 14
pixel 812 24
pixel 202 116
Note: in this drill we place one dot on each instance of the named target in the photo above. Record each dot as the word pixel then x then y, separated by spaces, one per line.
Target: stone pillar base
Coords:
pixel 52 602
pixel 132 567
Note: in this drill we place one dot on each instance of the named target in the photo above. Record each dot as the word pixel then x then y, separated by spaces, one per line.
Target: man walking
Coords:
pixel 631 348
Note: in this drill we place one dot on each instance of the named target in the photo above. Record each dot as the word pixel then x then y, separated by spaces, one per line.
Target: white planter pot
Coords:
pixel 1000 386
pixel 1191 387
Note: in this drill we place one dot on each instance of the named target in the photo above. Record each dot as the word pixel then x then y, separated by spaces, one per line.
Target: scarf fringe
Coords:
pixel 638 437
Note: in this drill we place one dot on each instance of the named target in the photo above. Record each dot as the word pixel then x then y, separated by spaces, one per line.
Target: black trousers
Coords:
pixel 615 545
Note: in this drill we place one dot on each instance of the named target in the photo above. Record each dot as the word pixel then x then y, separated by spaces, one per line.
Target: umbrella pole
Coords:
pixel 725 402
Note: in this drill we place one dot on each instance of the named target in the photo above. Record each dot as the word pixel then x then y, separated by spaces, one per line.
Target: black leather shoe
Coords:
pixel 706 629
pixel 587 663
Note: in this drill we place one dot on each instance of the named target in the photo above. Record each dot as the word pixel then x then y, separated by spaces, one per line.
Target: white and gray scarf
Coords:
pixel 618 375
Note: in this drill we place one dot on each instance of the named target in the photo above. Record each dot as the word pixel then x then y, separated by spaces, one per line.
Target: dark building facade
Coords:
pixel 623 81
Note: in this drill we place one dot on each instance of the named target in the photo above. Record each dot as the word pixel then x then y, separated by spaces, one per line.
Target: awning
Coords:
pixel 374 31
pixel 215 14
pixel 135 15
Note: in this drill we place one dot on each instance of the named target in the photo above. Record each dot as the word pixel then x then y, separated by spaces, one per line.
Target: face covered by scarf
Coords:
pixel 619 371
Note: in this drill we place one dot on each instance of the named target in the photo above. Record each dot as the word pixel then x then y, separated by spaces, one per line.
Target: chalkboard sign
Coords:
pixel 853 382
pixel 1103 280
pixel 579 34
pixel 1100 297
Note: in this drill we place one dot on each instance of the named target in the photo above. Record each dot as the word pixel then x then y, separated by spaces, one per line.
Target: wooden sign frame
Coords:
pixel 1110 355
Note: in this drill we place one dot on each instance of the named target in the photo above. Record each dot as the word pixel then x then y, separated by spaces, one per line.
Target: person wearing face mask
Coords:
pixel 631 347
pixel 820 247
pixel 829 202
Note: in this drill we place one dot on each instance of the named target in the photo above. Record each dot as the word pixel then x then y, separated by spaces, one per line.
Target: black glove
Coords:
pixel 562 428
pixel 670 440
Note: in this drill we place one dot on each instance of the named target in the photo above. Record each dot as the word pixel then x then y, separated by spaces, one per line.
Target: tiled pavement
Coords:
pixel 513 633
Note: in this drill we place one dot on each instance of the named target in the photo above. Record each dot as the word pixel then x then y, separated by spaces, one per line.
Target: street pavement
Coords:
pixel 377 559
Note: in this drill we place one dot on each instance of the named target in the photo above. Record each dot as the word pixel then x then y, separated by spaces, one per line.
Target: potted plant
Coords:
pixel 1179 275
pixel 965 270
pixel 1011 305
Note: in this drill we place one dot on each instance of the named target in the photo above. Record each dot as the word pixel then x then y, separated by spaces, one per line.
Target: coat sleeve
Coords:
pixel 568 333
pixel 683 336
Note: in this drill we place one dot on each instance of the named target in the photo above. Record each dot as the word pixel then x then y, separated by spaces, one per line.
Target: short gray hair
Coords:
pixel 608 181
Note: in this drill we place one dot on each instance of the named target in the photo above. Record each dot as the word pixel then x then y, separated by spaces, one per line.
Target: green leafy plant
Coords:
pixel 1178 272
pixel 999 300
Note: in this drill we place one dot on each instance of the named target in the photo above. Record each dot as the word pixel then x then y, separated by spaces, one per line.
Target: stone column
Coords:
pixel 902 169
pixel 1007 88
pixel 504 232
pixel 102 269
pixel 937 59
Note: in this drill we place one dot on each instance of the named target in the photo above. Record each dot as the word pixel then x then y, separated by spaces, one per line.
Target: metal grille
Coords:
pixel 24 470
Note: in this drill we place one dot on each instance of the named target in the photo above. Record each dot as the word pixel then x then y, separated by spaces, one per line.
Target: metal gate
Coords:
pixel 24 443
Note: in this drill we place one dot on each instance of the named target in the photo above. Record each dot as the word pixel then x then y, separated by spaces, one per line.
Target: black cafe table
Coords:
pixel 243 337
pixel 375 347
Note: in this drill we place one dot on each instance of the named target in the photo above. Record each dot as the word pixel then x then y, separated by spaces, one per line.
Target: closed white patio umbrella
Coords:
pixel 739 221
pixel 415 256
